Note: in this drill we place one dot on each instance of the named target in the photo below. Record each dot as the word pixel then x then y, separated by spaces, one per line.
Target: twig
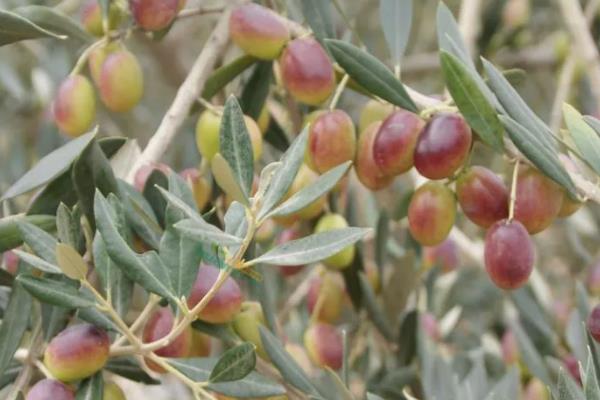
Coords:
pixel 190 12
pixel 566 74
pixel 469 22
pixel 187 94
pixel 584 43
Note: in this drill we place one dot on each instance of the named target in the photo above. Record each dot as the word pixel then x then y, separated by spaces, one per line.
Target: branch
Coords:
pixel 187 94
pixel 584 43
pixel 469 22
pixel 566 74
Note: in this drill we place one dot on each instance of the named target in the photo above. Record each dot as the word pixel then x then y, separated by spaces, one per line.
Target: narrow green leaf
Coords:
pixel 235 144
pixel 97 318
pixel 516 107
pixel 54 292
pixel 92 171
pixel 70 262
pixel 226 179
pixel 471 102
pixel 253 385
pixel 16 28
pixel 68 226
pixel 41 242
pixel 152 277
pixel 225 74
pixel 234 364
pixel 312 192
pixel 284 175
pixel 449 36
pixel 204 231
pixel 396 20
pixel 156 180
pixel 312 248
pixel 37 262
pixel 50 166
pixel 129 368
pixel 112 277
pixel 257 89
pixel 182 257
pixel 531 357
pixel 318 15
pixel 590 379
pixel 584 136
pixel 140 215
pixel 370 73
pixel 91 388
pixel 567 388
pixel 286 365
pixel 10 235
pixel 542 157
pixel 374 309
pixel 14 325
pixel 54 21
pixel 341 390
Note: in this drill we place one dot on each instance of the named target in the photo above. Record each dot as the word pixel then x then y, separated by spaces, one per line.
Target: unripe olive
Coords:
pixel 431 213
pixel 444 255
pixel 224 305
pixel 208 135
pixel 121 82
pixel 329 291
pixel 246 324
pixel 538 200
pixel 568 206
pixel 331 140
pixel 324 345
pixel 91 17
pixel 142 174
pixel 373 111
pixel 74 106
pixel 201 187
pixel 307 72
pixel 508 254
pixel 266 231
pixel 49 389
pixel 201 344
pixel 482 196
pixel 304 178
pixel 593 323
pixel 154 15
pixel 160 325
pixel 536 390
pixel 344 257
pixel 395 142
pixel 98 56
pixel 258 31
pixel 365 166
pixel 443 146
pixel 77 352
pixel 112 391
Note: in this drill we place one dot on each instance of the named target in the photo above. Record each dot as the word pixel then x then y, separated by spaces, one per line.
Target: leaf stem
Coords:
pixel 513 191
pixel 338 92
